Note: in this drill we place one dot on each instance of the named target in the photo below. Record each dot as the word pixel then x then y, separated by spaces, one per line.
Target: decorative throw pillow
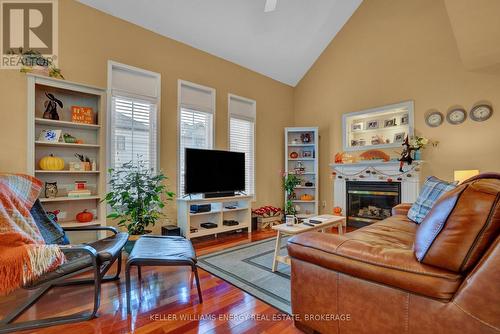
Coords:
pixel 431 191
pixel 51 231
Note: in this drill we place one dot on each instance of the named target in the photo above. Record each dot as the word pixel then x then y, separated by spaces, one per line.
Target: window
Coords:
pixel 133 117
pixel 196 122
pixel 242 135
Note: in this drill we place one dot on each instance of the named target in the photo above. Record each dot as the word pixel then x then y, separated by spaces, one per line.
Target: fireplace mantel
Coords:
pixel 410 179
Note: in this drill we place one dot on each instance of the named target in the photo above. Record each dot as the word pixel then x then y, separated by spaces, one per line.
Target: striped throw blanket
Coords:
pixel 24 256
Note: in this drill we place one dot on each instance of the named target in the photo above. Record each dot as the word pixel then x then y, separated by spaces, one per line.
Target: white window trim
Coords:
pixel 113 64
pixel 254 119
pixel 212 91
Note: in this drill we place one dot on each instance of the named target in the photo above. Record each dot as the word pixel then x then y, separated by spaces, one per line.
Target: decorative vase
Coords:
pixel 417 155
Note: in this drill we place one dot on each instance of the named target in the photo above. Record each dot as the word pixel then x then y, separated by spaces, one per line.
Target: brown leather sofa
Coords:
pixel 394 276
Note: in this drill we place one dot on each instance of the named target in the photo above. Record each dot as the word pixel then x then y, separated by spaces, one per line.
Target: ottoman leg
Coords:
pixel 195 270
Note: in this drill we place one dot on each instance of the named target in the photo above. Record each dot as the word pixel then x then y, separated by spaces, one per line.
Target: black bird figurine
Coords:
pixel 51 107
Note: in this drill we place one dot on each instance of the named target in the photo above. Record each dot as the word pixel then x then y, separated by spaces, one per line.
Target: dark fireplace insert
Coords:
pixel 369 202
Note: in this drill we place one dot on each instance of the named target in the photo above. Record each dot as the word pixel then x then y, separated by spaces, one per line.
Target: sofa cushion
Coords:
pixel 432 190
pixel 461 225
pixel 381 252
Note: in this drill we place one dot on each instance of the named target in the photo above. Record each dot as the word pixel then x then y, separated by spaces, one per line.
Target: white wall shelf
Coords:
pixel 308 156
pixel 93 137
pixel 187 220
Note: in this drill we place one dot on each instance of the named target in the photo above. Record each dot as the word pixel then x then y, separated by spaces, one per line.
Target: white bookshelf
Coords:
pixel 294 143
pixel 241 213
pixel 93 136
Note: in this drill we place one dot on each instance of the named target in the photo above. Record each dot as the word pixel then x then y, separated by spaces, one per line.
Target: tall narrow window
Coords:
pixel 133 128
pixel 196 122
pixel 242 135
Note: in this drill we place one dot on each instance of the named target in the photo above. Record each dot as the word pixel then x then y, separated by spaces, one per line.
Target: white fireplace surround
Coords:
pixel 378 171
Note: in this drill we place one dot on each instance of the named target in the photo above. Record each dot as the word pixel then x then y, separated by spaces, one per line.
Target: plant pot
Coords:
pixel 132 239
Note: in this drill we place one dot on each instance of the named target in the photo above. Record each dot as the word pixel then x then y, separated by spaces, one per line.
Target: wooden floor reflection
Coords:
pixel 165 302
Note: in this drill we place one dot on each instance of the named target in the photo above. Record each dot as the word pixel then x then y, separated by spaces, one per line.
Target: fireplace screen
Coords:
pixel 368 202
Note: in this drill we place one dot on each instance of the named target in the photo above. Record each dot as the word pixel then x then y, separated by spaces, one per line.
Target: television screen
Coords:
pixel 212 171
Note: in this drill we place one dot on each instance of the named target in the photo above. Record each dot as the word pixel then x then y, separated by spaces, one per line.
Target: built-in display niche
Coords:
pixel 381 127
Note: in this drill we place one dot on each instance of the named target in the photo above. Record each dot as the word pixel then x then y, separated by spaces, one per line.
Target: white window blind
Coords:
pixel 133 118
pixel 196 122
pixel 133 131
pixel 242 135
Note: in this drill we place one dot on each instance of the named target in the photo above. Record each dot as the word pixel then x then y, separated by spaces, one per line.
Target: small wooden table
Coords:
pixel 284 230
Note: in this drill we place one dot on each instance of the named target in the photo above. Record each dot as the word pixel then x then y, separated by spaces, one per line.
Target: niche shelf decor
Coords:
pixel 381 127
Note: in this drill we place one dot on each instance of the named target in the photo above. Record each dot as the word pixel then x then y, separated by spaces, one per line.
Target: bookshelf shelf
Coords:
pixel 93 136
pixel 42 143
pixel 66 124
pixel 302 144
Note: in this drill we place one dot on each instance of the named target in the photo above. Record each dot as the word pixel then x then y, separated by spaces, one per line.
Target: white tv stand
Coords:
pixel 242 213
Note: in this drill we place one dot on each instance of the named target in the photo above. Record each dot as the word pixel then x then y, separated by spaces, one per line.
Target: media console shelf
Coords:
pixel 242 213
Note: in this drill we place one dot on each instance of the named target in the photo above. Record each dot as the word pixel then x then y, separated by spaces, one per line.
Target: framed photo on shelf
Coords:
pixel 399 137
pixel 404 119
pixel 307 154
pixel 354 142
pixel 50 135
pixel 357 126
pixel 389 122
pixel 372 125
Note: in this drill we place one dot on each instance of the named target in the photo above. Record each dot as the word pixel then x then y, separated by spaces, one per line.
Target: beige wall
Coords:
pixel 89 38
pixel 391 51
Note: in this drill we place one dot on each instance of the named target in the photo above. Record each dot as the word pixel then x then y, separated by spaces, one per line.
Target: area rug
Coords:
pixel 248 267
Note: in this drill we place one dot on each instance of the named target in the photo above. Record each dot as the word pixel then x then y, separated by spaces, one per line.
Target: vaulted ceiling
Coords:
pixel 281 44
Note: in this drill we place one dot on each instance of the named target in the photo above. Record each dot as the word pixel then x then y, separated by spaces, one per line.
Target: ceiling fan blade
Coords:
pixel 270 5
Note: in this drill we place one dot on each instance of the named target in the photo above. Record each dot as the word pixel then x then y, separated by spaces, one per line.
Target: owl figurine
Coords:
pixel 50 189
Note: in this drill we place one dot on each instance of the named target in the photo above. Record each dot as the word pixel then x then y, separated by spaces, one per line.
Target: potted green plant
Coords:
pixel 290 181
pixel 137 196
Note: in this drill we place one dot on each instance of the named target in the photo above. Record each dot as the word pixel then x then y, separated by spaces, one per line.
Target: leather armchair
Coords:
pixel 395 276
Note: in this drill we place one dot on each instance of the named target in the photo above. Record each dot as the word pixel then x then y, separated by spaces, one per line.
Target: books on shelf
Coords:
pixel 79 193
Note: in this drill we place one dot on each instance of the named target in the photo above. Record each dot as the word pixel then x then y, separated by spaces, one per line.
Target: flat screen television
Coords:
pixel 213 172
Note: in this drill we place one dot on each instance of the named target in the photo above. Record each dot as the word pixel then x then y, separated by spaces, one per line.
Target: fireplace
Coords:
pixel 369 202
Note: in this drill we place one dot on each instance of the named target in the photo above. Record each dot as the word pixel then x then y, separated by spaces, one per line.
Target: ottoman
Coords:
pixel 152 250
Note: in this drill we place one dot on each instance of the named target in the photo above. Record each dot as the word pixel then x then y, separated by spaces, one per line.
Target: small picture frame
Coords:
pixel 399 137
pixel 307 154
pixel 354 142
pixel 358 126
pixel 389 122
pixel 50 135
pixel 372 125
pixel 404 119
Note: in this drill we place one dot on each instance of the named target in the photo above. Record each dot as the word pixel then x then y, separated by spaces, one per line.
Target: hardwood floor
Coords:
pixel 165 302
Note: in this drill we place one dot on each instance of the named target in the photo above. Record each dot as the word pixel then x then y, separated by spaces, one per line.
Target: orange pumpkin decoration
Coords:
pixel 337 211
pixel 294 155
pixel 84 216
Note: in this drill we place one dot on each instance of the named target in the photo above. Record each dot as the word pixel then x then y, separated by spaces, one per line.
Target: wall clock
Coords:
pixel 434 119
pixel 481 112
pixel 456 116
